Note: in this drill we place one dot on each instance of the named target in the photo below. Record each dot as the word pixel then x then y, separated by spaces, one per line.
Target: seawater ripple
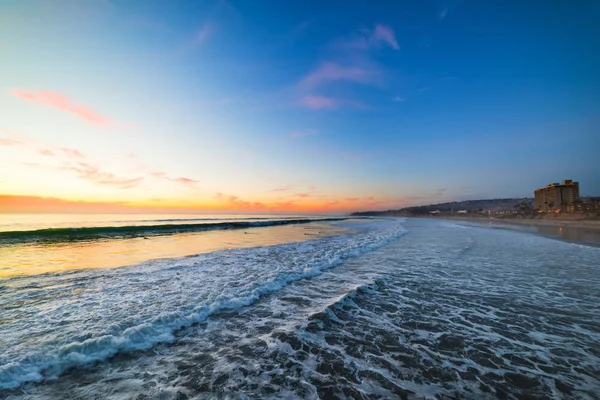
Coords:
pixel 111 232
pixel 55 322
pixel 445 312
pixel 453 313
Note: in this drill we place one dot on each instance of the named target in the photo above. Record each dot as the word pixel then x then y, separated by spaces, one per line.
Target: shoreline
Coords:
pixel 564 223
pixel 585 232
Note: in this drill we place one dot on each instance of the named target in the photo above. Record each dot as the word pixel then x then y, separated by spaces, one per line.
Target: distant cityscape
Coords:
pixel 552 199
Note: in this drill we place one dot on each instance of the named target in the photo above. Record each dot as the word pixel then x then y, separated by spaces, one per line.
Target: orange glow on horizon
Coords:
pixel 222 203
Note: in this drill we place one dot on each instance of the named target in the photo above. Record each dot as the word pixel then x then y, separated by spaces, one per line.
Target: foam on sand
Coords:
pixel 56 322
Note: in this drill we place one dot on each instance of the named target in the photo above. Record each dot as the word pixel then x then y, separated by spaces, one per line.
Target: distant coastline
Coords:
pixel 513 209
pixel 518 213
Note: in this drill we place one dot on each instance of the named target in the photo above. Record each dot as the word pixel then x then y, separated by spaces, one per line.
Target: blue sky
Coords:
pixel 296 106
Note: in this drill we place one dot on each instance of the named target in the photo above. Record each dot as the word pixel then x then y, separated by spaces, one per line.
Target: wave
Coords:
pixel 205 219
pixel 135 308
pixel 131 231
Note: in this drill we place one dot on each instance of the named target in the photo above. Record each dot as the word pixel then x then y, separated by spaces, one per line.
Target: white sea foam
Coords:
pixel 54 322
pixel 443 312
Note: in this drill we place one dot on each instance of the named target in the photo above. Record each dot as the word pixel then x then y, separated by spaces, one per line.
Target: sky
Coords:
pixel 323 106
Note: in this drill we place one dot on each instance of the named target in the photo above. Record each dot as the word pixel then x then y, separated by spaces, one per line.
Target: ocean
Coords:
pixel 186 307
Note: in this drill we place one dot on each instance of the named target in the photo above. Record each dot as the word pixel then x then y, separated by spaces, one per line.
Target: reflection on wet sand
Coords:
pixel 570 233
pixel 33 259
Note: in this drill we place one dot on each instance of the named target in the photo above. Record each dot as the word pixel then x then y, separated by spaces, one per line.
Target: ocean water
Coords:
pixel 375 308
pixel 36 244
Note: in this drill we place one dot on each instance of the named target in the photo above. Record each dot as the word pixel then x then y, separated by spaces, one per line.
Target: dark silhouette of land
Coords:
pixel 513 211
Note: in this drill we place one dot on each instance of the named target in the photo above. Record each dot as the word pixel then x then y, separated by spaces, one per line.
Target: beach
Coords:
pixel 381 308
pixel 585 231
pixel 571 223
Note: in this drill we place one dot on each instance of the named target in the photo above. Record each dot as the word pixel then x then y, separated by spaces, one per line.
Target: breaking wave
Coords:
pixel 114 232
pixel 57 322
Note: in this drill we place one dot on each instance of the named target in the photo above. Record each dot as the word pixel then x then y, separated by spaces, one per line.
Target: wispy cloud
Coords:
pixel 282 189
pixel 318 102
pixel 385 34
pixel 366 39
pixel 301 134
pixel 443 13
pixel 85 170
pixel 46 152
pixel 63 103
pixel 166 177
pixel 398 98
pixel 446 6
pixel 68 159
pixel 330 71
pixel 203 33
pixel 186 180
pixel 72 152
pixel 350 61
pixel 235 203
pixel 303 195
pixel 9 142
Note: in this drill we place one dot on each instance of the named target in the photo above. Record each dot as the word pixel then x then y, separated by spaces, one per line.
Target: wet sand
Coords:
pixel 41 258
pixel 583 231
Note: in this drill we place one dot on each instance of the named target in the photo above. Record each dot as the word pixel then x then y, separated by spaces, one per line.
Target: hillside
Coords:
pixel 489 206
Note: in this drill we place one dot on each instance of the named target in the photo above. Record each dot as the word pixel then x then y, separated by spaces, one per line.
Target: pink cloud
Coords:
pixel 359 68
pixel 281 189
pixel 318 102
pixel 285 205
pixel 186 180
pixel 386 35
pixel 17 138
pixel 68 159
pixel 72 152
pixel 164 176
pixel 300 134
pixel 9 142
pixel 158 174
pixel 91 173
pixel 236 203
pixel 61 102
pixel 328 72
pixel 46 152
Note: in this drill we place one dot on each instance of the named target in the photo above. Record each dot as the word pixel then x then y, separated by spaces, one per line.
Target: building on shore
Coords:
pixel 556 196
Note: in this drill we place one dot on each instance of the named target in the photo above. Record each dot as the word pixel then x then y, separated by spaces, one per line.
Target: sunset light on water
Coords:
pixel 279 199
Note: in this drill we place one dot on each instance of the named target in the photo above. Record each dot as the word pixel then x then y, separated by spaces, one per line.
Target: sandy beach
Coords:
pixel 575 231
pixel 581 223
